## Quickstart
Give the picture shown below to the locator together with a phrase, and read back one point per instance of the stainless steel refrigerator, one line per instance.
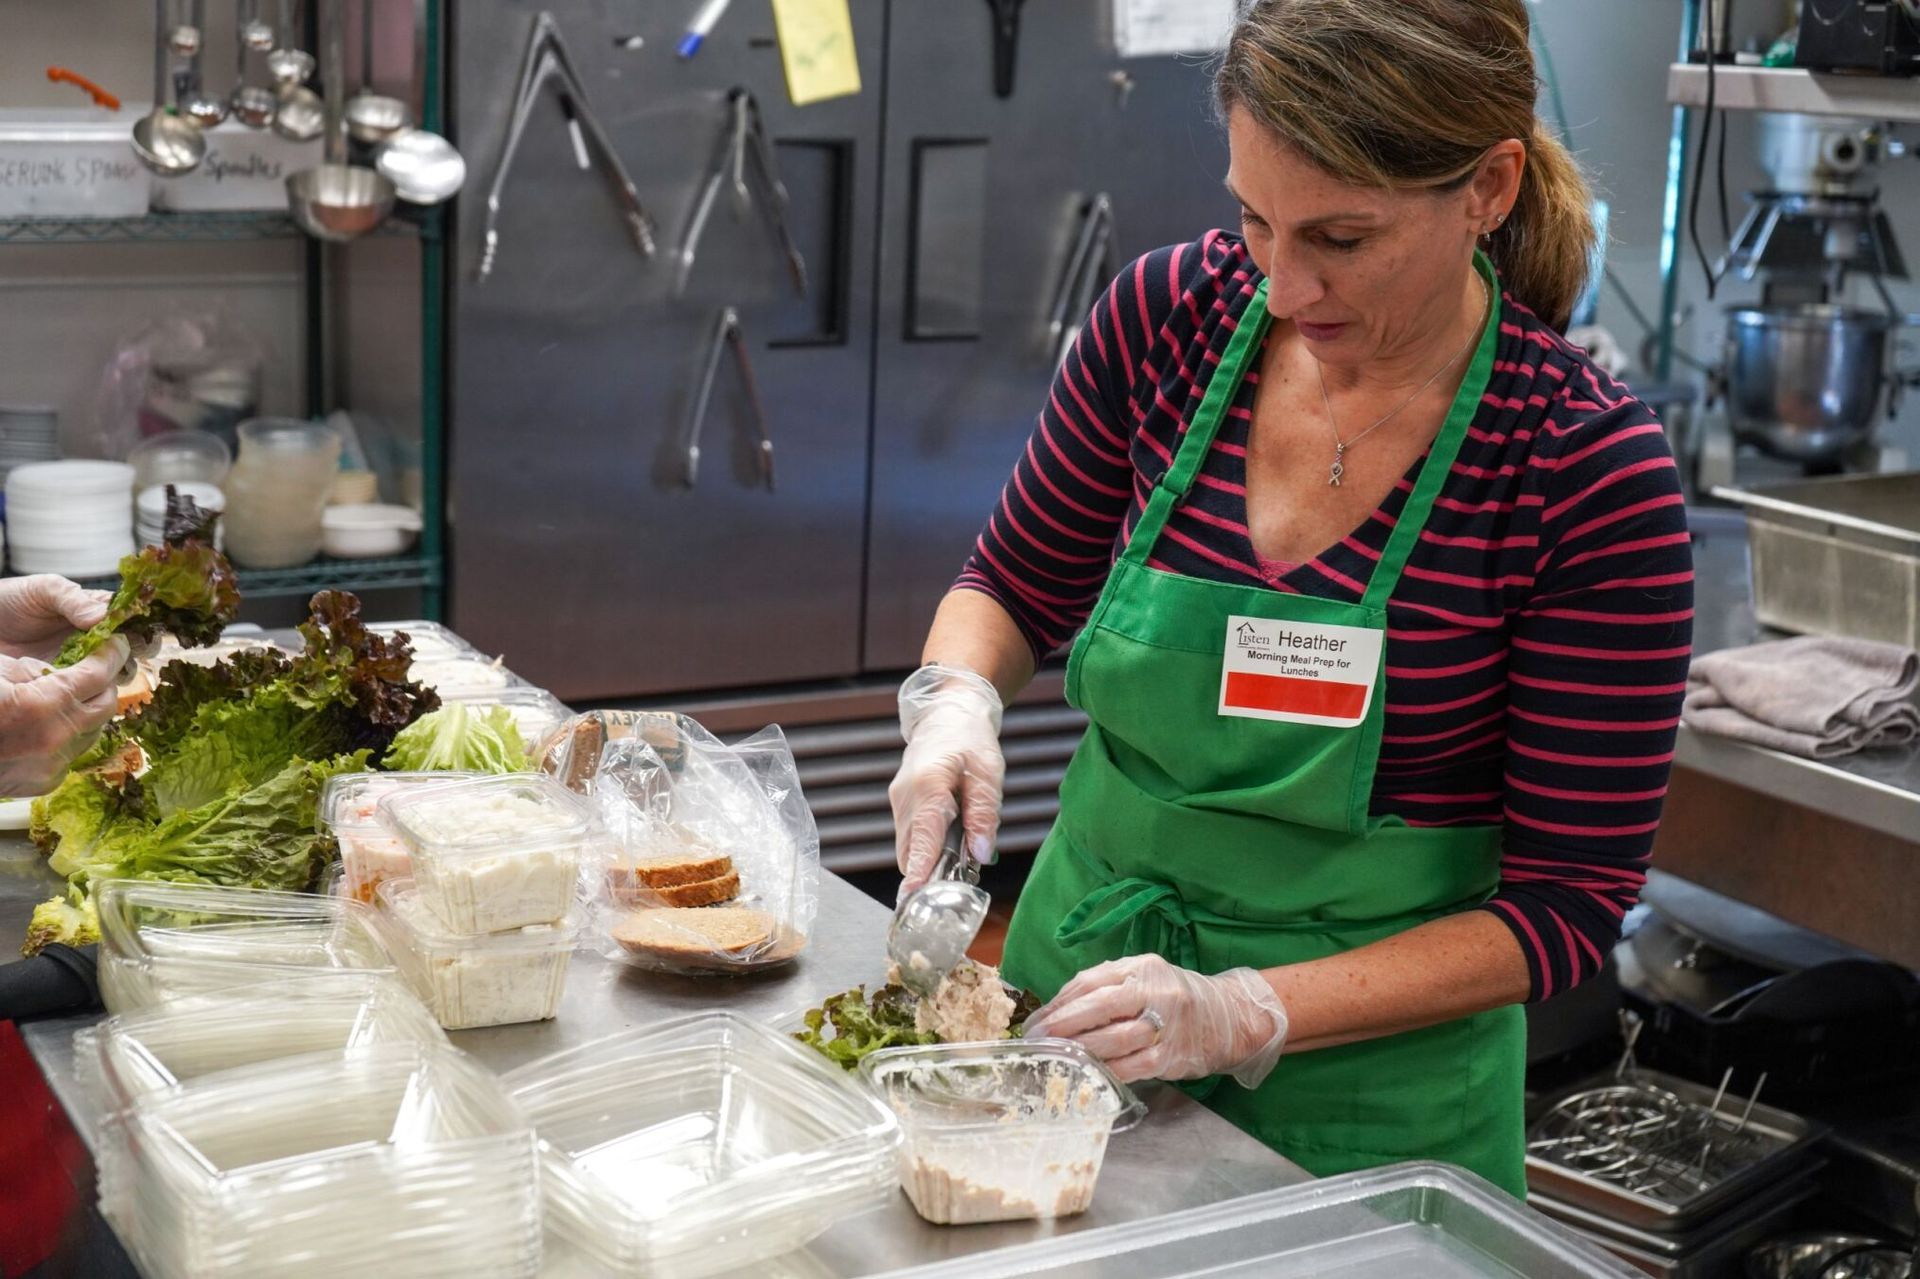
(938, 212)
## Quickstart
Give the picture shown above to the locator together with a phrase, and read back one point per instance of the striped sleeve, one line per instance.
(1046, 550)
(1596, 672)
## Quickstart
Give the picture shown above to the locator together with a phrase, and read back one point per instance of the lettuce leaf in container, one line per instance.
(183, 586)
(236, 755)
(459, 738)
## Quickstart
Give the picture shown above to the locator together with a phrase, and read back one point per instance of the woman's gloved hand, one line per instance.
(38, 613)
(48, 718)
(952, 768)
(1148, 1019)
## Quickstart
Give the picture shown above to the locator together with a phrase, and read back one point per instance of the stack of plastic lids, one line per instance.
(402, 1160)
(74, 518)
(701, 1145)
(161, 941)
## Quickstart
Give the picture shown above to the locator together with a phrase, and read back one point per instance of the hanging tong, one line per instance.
(1006, 44)
(727, 334)
(1088, 267)
(547, 58)
(746, 135)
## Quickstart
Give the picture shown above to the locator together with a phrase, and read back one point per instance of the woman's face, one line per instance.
(1365, 275)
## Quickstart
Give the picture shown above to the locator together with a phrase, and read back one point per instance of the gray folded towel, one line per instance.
(1816, 696)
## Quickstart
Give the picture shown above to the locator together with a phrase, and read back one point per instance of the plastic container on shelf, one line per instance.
(367, 530)
(132, 1054)
(162, 941)
(402, 1160)
(495, 853)
(71, 164)
(371, 850)
(1007, 1131)
(495, 979)
(180, 457)
(536, 712)
(700, 1145)
(277, 491)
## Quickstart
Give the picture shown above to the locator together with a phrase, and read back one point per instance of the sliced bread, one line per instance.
(689, 933)
(707, 892)
(696, 865)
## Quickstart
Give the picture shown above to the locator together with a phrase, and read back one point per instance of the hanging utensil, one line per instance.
(101, 98)
(255, 35)
(168, 144)
(253, 105)
(546, 57)
(1088, 269)
(337, 201)
(727, 335)
(1006, 44)
(745, 136)
(934, 925)
(372, 117)
(203, 108)
(289, 65)
(424, 167)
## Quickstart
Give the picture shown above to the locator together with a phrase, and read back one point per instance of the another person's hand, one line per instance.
(952, 768)
(38, 613)
(1148, 1019)
(48, 718)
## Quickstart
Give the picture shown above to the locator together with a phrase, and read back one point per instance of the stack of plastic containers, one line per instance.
(705, 1144)
(402, 1160)
(162, 941)
(486, 926)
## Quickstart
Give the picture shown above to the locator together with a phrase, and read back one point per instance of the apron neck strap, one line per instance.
(1444, 451)
(1242, 349)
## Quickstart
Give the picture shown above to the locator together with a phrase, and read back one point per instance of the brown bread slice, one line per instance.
(678, 933)
(707, 892)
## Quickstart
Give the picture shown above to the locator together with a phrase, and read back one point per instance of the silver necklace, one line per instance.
(1340, 447)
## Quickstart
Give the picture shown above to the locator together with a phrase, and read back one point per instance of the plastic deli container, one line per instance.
(371, 850)
(1007, 1131)
(494, 853)
(429, 641)
(701, 1145)
(495, 979)
(536, 712)
(161, 941)
(399, 1160)
(132, 1054)
(461, 677)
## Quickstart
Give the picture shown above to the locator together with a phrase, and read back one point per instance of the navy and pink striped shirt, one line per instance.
(1537, 643)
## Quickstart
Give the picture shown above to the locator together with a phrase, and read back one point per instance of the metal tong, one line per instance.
(746, 135)
(727, 333)
(1087, 269)
(547, 57)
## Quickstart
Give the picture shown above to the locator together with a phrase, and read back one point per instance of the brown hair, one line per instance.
(1411, 93)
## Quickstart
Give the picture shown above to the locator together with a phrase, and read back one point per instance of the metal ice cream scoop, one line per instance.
(938, 921)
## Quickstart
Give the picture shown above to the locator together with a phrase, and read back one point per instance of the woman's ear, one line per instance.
(1496, 184)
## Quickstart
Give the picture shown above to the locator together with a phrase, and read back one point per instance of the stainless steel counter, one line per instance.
(1879, 790)
(1182, 1156)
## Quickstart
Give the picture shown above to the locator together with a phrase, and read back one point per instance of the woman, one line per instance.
(1387, 602)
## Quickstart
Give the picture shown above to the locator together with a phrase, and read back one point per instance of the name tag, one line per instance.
(1299, 672)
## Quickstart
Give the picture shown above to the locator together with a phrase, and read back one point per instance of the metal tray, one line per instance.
(1423, 1220)
(1798, 1138)
(1836, 556)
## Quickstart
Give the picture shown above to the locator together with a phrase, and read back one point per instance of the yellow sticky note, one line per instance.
(816, 45)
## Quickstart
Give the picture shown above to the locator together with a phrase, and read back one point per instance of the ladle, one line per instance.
(253, 105)
(168, 144)
(205, 109)
(337, 201)
(372, 117)
(289, 65)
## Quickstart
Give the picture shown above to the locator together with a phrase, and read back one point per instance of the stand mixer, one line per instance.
(1805, 374)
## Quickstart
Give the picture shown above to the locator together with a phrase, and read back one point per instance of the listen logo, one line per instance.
(1248, 637)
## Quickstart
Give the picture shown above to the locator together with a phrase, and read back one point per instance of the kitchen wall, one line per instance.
(62, 308)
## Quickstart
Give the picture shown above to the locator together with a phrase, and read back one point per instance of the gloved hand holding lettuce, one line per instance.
(184, 587)
(236, 756)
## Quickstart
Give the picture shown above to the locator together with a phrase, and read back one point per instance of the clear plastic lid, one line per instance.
(132, 1054)
(353, 799)
(485, 816)
(162, 940)
(461, 676)
(990, 1086)
(429, 641)
(706, 1143)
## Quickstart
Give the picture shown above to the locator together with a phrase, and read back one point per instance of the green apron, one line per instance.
(1220, 841)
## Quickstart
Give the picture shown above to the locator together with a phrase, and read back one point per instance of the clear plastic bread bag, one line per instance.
(715, 858)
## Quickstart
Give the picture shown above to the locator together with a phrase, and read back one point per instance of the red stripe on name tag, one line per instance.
(1294, 696)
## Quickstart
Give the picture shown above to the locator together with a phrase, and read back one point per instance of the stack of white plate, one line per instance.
(72, 518)
(27, 435)
(150, 511)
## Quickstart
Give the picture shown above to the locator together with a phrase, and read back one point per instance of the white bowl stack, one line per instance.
(150, 510)
(74, 518)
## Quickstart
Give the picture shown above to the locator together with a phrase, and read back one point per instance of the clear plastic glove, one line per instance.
(38, 613)
(952, 768)
(1148, 1019)
(48, 718)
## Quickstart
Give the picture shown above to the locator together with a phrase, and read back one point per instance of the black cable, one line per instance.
(1700, 161)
